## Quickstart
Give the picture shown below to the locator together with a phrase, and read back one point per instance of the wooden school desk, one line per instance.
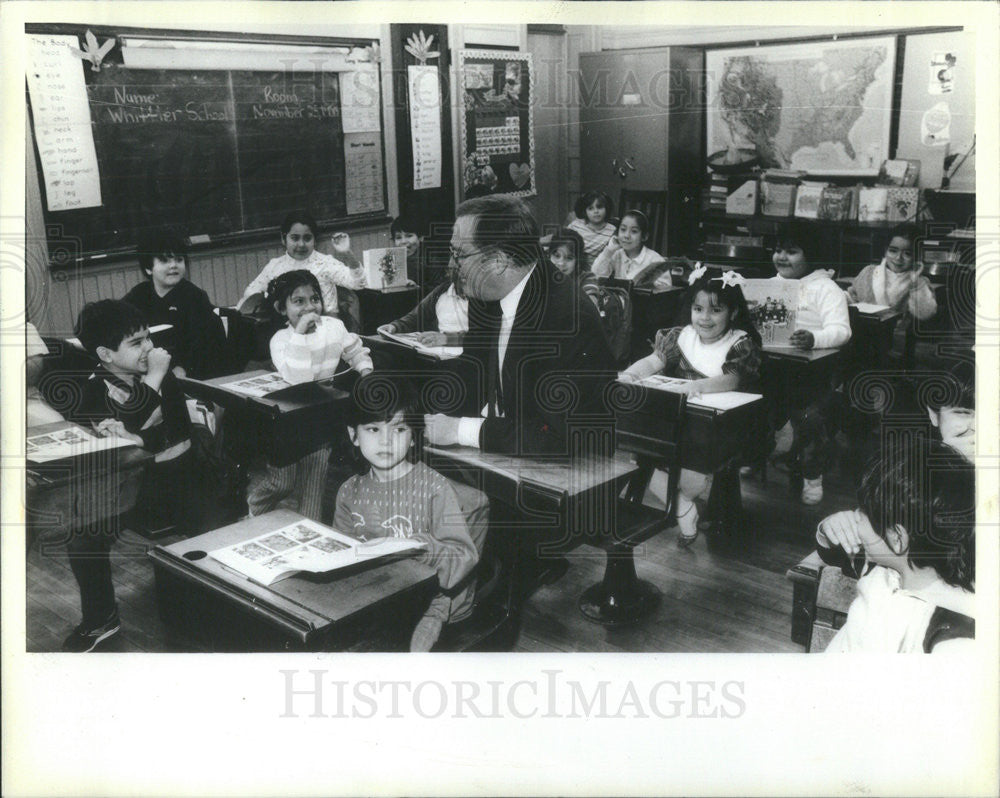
(382, 307)
(371, 606)
(74, 492)
(284, 425)
(548, 505)
(714, 440)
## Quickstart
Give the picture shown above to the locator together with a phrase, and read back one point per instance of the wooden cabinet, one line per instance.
(646, 107)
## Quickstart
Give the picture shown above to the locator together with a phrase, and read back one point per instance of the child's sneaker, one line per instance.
(812, 490)
(82, 640)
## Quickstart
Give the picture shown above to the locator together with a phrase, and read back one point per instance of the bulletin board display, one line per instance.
(495, 94)
(216, 155)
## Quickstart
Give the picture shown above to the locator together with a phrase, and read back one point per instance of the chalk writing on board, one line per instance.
(62, 124)
(363, 173)
(425, 126)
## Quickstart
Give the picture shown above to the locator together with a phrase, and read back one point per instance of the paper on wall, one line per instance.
(425, 126)
(62, 128)
(360, 100)
(363, 172)
(935, 125)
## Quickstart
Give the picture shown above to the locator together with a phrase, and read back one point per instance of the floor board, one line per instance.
(711, 602)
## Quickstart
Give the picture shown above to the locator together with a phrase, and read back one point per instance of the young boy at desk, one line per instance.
(134, 386)
(197, 339)
(802, 406)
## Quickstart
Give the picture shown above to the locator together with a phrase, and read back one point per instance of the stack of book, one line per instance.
(718, 190)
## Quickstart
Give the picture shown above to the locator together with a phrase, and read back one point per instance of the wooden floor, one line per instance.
(710, 602)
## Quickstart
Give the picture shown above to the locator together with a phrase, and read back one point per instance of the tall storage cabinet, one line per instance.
(647, 107)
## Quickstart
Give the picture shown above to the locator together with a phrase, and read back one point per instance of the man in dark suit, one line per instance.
(537, 340)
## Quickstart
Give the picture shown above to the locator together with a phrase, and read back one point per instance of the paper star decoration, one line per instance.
(732, 278)
(419, 46)
(93, 52)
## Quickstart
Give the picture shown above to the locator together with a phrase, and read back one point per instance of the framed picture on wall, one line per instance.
(824, 107)
(497, 152)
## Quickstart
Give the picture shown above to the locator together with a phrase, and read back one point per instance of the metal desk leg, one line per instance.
(621, 597)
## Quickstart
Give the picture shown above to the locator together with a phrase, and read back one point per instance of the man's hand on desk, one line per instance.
(802, 339)
(387, 329)
(440, 430)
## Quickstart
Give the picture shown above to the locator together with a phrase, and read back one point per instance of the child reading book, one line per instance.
(399, 496)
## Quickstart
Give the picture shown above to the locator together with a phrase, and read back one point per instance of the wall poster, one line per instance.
(497, 154)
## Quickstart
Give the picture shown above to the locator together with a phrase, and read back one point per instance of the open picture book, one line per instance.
(304, 546)
(70, 441)
(410, 340)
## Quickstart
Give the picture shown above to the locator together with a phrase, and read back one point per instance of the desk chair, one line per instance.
(654, 205)
(648, 423)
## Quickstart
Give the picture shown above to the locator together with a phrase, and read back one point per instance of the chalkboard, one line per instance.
(221, 154)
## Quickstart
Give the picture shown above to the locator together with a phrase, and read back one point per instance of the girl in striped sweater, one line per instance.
(307, 349)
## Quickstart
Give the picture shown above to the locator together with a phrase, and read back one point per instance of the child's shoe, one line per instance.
(812, 490)
(82, 640)
(687, 522)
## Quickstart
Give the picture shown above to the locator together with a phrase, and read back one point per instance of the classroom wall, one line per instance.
(54, 296)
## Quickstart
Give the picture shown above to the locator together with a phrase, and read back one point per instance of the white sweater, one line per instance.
(306, 358)
(822, 310)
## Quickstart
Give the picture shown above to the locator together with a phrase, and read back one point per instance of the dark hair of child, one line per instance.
(929, 490)
(728, 296)
(408, 222)
(573, 241)
(284, 285)
(299, 217)
(640, 219)
(795, 234)
(159, 245)
(379, 396)
(957, 388)
(906, 230)
(588, 199)
(107, 323)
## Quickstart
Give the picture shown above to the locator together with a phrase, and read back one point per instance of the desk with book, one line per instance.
(280, 420)
(75, 478)
(279, 581)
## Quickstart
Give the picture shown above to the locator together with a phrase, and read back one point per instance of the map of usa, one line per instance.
(814, 107)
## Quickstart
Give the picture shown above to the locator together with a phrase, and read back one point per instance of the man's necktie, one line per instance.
(494, 392)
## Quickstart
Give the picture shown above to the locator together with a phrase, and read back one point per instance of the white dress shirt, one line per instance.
(468, 427)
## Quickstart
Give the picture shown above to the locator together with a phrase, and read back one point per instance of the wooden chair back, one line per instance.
(654, 205)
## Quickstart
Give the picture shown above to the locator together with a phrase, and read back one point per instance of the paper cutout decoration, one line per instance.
(520, 174)
(92, 51)
(419, 46)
